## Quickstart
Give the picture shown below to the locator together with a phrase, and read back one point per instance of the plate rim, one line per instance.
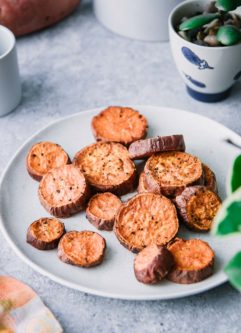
(76, 286)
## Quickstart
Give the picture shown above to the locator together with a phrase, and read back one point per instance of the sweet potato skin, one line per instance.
(186, 275)
(159, 264)
(209, 180)
(26, 16)
(143, 149)
(189, 277)
(38, 244)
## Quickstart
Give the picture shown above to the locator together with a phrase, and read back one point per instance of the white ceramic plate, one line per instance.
(19, 206)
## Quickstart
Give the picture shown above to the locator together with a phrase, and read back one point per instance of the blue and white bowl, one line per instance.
(208, 72)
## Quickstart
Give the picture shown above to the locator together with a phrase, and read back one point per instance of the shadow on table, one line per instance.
(236, 92)
(32, 91)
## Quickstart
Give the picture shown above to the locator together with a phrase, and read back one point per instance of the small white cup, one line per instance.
(10, 85)
(145, 20)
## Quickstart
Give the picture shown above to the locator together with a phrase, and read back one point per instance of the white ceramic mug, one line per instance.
(145, 20)
(209, 72)
(10, 86)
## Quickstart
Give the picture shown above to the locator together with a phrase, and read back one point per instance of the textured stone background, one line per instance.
(78, 65)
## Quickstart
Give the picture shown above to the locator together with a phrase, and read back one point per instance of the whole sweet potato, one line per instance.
(26, 16)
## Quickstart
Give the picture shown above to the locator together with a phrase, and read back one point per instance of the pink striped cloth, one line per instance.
(22, 311)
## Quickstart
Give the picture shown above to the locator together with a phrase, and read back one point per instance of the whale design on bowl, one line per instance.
(194, 59)
(195, 82)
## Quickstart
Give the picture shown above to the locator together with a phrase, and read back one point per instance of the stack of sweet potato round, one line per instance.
(174, 187)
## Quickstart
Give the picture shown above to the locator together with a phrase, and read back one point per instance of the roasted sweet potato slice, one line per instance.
(194, 261)
(146, 219)
(209, 179)
(43, 157)
(119, 124)
(152, 264)
(197, 207)
(45, 233)
(102, 209)
(170, 173)
(142, 149)
(143, 186)
(82, 248)
(107, 167)
(63, 191)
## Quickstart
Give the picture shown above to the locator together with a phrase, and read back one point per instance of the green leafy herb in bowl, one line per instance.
(216, 26)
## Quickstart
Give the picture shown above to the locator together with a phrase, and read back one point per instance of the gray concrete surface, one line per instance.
(78, 65)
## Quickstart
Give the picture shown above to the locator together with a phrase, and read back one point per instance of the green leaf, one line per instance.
(228, 219)
(235, 175)
(228, 5)
(233, 271)
(197, 21)
(229, 35)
